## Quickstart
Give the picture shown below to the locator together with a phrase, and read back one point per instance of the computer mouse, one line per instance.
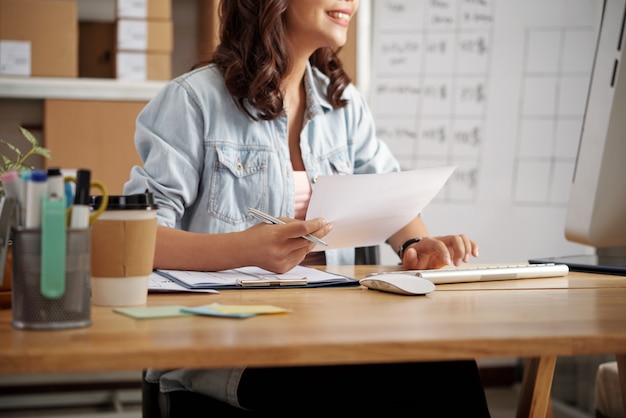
(401, 283)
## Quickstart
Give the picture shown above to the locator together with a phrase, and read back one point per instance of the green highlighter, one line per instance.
(53, 242)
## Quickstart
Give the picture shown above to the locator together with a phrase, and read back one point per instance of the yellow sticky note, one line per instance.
(247, 309)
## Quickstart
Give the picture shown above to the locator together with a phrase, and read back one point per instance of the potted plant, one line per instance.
(16, 160)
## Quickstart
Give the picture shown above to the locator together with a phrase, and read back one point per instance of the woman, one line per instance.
(253, 128)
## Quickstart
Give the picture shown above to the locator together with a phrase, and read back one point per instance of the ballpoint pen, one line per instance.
(272, 220)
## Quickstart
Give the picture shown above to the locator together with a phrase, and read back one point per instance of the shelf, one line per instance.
(78, 88)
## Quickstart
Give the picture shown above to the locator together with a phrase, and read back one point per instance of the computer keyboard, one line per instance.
(490, 273)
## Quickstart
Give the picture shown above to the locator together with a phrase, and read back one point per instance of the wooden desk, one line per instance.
(346, 325)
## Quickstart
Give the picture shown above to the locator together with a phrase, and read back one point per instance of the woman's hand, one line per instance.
(437, 252)
(279, 248)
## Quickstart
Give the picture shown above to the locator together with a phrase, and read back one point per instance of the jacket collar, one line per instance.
(315, 87)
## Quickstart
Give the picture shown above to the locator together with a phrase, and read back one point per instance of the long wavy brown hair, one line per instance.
(253, 57)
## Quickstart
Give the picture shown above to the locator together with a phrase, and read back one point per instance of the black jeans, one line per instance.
(428, 389)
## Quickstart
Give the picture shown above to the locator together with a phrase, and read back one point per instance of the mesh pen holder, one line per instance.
(34, 310)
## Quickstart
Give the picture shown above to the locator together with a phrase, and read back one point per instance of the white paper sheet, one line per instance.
(158, 283)
(367, 209)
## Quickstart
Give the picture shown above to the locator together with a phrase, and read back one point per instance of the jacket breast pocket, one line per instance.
(239, 181)
(339, 163)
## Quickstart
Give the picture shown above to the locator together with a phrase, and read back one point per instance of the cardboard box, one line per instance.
(98, 135)
(142, 66)
(51, 27)
(15, 58)
(144, 9)
(145, 35)
(96, 49)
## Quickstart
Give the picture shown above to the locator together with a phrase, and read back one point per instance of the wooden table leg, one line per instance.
(534, 398)
(621, 370)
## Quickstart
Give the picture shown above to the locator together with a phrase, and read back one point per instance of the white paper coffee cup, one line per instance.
(122, 250)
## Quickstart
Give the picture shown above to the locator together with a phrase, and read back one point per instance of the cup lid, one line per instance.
(140, 201)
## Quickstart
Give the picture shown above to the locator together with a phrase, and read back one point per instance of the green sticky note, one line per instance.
(147, 312)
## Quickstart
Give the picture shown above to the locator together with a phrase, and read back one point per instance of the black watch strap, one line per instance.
(406, 244)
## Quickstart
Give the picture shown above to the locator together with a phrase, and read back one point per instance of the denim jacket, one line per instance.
(207, 162)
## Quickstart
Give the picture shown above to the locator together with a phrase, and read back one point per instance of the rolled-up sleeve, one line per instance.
(169, 140)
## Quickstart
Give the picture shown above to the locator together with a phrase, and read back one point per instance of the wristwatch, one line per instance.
(406, 245)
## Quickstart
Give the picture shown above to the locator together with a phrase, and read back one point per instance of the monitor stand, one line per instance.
(605, 261)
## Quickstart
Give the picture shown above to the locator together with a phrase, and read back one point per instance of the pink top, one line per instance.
(303, 193)
(303, 196)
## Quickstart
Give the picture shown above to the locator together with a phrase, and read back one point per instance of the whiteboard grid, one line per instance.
(497, 87)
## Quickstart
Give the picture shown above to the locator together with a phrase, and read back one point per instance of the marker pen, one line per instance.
(56, 184)
(36, 189)
(69, 194)
(80, 209)
(24, 179)
(13, 189)
(11, 184)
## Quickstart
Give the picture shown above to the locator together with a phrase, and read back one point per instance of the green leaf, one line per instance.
(44, 152)
(30, 137)
(12, 148)
(6, 160)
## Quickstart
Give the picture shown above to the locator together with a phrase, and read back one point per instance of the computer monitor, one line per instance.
(596, 213)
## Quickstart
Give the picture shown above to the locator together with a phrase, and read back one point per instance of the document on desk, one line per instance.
(366, 209)
(157, 283)
(256, 278)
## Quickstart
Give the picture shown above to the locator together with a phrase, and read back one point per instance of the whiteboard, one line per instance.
(498, 88)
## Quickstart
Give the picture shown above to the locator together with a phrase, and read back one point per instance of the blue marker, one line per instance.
(36, 190)
(69, 194)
